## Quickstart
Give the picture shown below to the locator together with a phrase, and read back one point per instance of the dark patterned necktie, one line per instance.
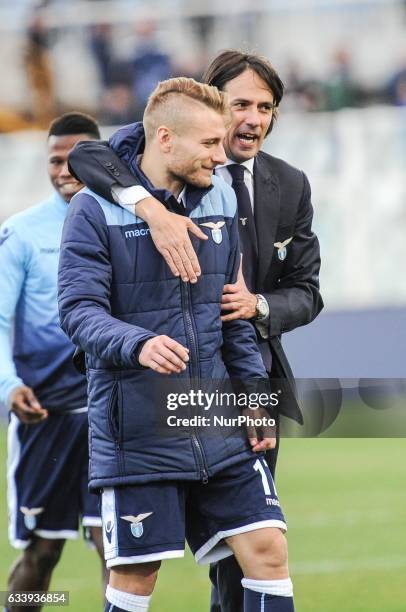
(246, 225)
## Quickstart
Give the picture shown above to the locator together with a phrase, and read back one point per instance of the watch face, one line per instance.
(262, 307)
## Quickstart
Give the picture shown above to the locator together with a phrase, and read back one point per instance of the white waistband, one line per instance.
(76, 410)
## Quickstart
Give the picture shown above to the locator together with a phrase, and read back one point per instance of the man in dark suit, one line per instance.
(278, 289)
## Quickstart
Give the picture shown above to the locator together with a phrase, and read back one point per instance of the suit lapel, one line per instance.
(266, 211)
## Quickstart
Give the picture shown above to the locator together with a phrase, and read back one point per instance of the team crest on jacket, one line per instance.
(216, 233)
(137, 527)
(281, 246)
(30, 516)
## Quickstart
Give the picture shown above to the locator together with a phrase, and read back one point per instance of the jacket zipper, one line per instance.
(194, 368)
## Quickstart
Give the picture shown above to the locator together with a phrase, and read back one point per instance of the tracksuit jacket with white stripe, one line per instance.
(116, 292)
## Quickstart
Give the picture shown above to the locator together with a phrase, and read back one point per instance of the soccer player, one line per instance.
(137, 323)
(48, 432)
(279, 289)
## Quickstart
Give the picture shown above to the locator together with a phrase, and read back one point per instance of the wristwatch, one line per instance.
(262, 307)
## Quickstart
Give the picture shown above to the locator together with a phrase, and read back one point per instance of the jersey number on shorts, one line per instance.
(259, 467)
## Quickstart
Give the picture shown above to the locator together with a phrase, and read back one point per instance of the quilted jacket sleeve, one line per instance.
(84, 288)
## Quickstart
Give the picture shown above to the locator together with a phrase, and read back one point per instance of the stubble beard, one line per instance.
(190, 177)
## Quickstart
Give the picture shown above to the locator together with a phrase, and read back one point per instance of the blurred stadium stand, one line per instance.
(331, 53)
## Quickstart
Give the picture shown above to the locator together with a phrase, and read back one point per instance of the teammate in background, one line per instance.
(120, 303)
(48, 430)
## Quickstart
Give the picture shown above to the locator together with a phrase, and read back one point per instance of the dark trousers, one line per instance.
(227, 593)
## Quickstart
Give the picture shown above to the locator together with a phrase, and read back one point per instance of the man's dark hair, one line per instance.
(74, 123)
(231, 63)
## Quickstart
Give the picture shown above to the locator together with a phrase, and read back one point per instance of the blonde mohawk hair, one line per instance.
(166, 101)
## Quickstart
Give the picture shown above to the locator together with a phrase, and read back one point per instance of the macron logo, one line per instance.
(136, 233)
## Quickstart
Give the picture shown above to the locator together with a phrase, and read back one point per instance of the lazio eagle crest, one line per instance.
(30, 514)
(137, 528)
(281, 246)
(215, 230)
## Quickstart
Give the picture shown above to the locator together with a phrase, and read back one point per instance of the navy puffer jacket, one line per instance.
(115, 292)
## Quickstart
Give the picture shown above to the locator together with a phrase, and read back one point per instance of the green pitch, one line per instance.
(345, 502)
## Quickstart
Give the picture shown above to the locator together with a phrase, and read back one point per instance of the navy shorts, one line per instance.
(150, 522)
(47, 478)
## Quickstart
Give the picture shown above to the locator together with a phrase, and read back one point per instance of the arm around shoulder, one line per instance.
(96, 165)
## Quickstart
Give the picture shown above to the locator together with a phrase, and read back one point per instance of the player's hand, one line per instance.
(261, 438)
(26, 407)
(170, 233)
(164, 355)
(237, 299)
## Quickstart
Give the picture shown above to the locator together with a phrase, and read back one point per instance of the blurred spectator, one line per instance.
(38, 65)
(194, 65)
(118, 106)
(101, 46)
(203, 27)
(150, 65)
(339, 88)
(397, 87)
(301, 93)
